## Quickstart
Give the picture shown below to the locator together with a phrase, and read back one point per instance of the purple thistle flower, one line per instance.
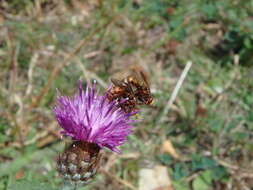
(89, 117)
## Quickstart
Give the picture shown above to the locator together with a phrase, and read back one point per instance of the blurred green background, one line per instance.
(205, 139)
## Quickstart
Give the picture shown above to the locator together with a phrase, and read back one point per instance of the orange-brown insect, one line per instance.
(123, 94)
(142, 92)
(131, 91)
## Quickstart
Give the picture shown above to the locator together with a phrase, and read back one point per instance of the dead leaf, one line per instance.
(82, 6)
(168, 147)
(19, 174)
(171, 46)
(1, 19)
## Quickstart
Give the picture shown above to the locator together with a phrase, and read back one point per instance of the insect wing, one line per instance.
(144, 78)
(118, 83)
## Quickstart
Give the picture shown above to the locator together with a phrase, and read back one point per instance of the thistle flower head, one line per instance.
(89, 117)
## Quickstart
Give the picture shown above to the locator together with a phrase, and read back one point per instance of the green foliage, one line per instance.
(209, 10)
(180, 185)
(176, 27)
(235, 19)
(158, 7)
(31, 185)
(200, 162)
(203, 181)
(165, 159)
(180, 171)
(4, 125)
(208, 168)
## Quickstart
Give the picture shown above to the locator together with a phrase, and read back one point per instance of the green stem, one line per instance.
(75, 187)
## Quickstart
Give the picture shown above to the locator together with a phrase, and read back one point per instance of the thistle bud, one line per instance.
(79, 162)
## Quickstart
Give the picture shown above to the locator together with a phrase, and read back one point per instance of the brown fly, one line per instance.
(130, 92)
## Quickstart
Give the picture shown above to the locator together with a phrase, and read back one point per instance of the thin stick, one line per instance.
(175, 91)
(75, 187)
(32, 64)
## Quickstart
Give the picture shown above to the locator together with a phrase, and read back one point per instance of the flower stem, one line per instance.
(75, 186)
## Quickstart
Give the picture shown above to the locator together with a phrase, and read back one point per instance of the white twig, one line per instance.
(176, 90)
(92, 54)
(30, 73)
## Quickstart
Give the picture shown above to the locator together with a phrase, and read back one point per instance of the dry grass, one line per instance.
(49, 44)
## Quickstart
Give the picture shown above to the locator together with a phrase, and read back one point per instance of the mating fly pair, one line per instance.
(130, 92)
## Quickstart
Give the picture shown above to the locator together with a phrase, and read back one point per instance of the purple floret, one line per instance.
(89, 117)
